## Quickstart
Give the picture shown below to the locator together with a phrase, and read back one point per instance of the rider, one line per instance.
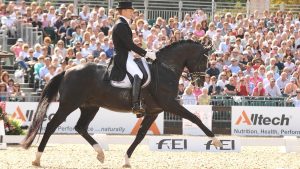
(124, 60)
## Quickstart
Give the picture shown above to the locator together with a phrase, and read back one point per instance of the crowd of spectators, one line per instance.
(252, 56)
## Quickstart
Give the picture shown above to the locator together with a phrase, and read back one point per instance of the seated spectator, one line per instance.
(244, 60)
(234, 66)
(82, 61)
(103, 58)
(259, 90)
(223, 81)
(212, 89)
(225, 46)
(22, 55)
(242, 87)
(98, 50)
(110, 51)
(269, 76)
(43, 71)
(282, 81)
(4, 95)
(236, 54)
(291, 87)
(289, 64)
(297, 77)
(17, 48)
(90, 58)
(272, 65)
(220, 64)
(272, 89)
(235, 79)
(77, 58)
(5, 77)
(256, 64)
(295, 100)
(10, 86)
(207, 81)
(197, 91)
(240, 74)
(211, 30)
(249, 70)
(255, 79)
(85, 51)
(180, 89)
(262, 71)
(212, 70)
(18, 94)
(230, 88)
(227, 71)
(199, 32)
(226, 58)
(250, 85)
(188, 98)
(105, 45)
(36, 71)
(30, 60)
(51, 73)
(204, 98)
(61, 48)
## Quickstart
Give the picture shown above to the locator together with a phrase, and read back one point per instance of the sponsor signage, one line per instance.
(204, 112)
(105, 122)
(265, 121)
(192, 144)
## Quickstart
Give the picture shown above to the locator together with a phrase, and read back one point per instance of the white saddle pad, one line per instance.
(126, 82)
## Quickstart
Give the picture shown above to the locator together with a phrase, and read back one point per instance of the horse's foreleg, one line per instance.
(175, 108)
(87, 115)
(57, 119)
(145, 125)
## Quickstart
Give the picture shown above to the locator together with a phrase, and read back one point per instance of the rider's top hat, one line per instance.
(125, 5)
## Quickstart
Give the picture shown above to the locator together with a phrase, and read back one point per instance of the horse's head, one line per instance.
(185, 53)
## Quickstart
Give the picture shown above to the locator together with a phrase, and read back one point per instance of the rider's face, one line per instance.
(128, 13)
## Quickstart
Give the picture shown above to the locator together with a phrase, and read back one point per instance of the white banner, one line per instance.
(265, 121)
(204, 112)
(3, 146)
(2, 131)
(192, 144)
(105, 122)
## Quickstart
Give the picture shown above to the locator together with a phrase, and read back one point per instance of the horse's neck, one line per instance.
(172, 63)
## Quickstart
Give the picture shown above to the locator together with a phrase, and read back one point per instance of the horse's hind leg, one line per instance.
(59, 117)
(146, 123)
(87, 115)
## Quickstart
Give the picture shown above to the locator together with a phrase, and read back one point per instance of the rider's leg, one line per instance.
(134, 70)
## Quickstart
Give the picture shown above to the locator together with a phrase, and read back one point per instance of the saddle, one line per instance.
(127, 81)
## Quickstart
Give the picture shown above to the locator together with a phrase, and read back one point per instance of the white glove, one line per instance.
(150, 55)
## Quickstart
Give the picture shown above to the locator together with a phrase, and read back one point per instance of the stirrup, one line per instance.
(138, 109)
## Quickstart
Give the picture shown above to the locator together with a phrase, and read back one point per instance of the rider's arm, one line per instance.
(127, 41)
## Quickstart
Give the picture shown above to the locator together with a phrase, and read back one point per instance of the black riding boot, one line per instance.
(137, 107)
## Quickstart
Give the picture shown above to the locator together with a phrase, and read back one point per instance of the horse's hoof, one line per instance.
(36, 163)
(216, 142)
(126, 166)
(101, 157)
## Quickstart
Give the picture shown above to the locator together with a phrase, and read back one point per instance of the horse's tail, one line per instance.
(49, 93)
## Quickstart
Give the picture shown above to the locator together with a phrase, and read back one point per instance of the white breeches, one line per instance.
(132, 67)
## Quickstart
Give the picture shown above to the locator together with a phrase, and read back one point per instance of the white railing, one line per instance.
(3, 41)
(29, 34)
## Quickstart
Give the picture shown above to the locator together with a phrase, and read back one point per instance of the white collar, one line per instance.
(126, 19)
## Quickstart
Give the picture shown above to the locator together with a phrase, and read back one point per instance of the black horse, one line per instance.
(85, 87)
